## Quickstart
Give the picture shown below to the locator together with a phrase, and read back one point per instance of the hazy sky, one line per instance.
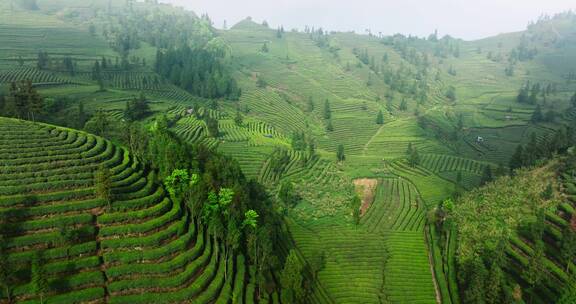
(467, 19)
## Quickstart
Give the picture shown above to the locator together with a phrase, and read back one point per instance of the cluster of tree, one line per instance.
(189, 54)
(280, 32)
(319, 36)
(65, 64)
(402, 79)
(441, 47)
(236, 211)
(476, 276)
(451, 93)
(261, 82)
(411, 53)
(279, 160)
(482, 264)
(105, 64)
(43, 60)
(162, 29)
(288, 195)
(212, 125)
(538, 116)
(22, 101)
(265, 48)
(522, 52)
(529, 154)
(137, 108)
(363, 56)
(495, 57)
(482, 280)
(529, 93)
(300, 141)
(198, 71)
(100, 124)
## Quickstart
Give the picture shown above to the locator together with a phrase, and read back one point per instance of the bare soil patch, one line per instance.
(366, 188)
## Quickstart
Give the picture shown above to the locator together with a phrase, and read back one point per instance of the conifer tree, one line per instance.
(329, 126)
(537, 115)
(327, 110)
(380, 118)
(340, 153)
(486, 175)
(517, 160)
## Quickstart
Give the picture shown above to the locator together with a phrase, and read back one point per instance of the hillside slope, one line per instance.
(304, 95)
(521, 226)
(63, 241)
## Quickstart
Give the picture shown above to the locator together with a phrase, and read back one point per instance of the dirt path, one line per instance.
(431, 263)
(372, 139)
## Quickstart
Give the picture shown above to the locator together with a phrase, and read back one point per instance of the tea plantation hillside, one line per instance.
(63, 243)
(356, 151)
(526, 245)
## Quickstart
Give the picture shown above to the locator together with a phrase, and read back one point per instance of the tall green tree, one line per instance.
(137, 108)
(473, 278)
(403, 105)
(99, 124)
(380, 118)
(494, 285)
(238, 119)
(355, 206)
(264, 48)
(212, 126)
(340, 156)
(310, 104)
(179, 182)
(537, 116)
(486, 175)
(287, 194)
(24, 100)
(517, 160)
(533, 274)
(329, 126)
(523, 94)
(327, 110)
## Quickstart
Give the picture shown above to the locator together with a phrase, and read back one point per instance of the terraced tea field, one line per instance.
(138, 248)
(360, 105)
